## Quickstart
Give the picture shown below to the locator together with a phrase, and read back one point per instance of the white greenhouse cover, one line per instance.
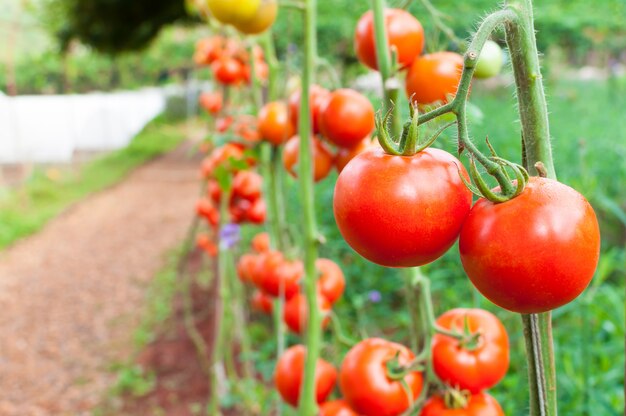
(50, 128)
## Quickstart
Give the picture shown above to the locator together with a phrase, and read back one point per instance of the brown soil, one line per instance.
(72, 295)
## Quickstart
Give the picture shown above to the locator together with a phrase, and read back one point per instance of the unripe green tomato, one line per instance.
(490, 61)
(261, 20)
(233, 11)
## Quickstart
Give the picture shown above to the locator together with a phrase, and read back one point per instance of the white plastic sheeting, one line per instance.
(51, 128)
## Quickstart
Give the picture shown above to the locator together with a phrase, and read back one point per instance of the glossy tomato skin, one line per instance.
(476, 369)
(336, 408)
(364, 383)
(296, 312)
(346, 154)
(289, 372)
(261, 20)
(347, 118)
(401, 211)
(331, 281)
(274, 124)
(227, 70)
(535, 252)
(404, 32)
(318, 96)
(322, 158)
(434, 77)
(480, 404)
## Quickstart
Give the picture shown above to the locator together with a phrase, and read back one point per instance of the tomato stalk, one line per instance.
(384, 59)
(533, 112)
(308, 406)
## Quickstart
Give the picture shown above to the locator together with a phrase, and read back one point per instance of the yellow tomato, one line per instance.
(233, 11)
(262, 20)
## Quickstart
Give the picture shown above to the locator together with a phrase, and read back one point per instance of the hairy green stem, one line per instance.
(533, 112)
(391, 85)
(308, 404)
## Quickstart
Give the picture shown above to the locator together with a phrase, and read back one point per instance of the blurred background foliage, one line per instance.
(96, 37)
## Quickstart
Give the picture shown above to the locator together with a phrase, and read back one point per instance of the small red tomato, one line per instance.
(262, 302)
(347, 118)
(346, 154)
(277, 272)
(207, 245)
(472, 365)
(246, 267)
(364, 381)
(336, 408)
(434, 77)
(211, 101)
(274, 124)
(296, 312)
(412, 211)
(404, 33)
(223, 123)
(322, 158)
(267, 262)
(206, 209)
(247, 185)
(535, 252)
(317, 100)
(480, 404)
(261, 242)
(227, 70)
(289, 372)
(331, 281)
(257, 212)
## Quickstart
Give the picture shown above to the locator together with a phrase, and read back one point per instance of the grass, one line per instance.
(47, 193)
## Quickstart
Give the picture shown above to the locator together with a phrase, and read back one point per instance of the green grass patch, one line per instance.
(45, 194)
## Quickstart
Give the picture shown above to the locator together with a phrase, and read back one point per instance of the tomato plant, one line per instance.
(288, 376)
(477, 361)
(365, 383)
(513, 252)
(480, 404)
(347, 118)
(434, 77)
(404, 33)
(420, 200)
(322, 158)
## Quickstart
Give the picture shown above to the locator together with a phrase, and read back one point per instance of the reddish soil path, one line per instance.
(71, 296)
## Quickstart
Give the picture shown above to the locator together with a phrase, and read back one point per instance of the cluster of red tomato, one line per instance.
(382, 378)
(229, 60)
(345, 118)
(274, 274)
(246, 203)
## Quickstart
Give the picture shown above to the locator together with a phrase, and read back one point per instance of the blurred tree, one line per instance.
(110, 26)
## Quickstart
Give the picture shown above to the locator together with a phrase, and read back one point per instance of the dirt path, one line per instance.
(71, 296)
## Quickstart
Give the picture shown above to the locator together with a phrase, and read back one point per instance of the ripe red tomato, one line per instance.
(223, 123)
(211, 101)
(206, 209)
(296, 312)
(471, 367)
(289, 372)
(346, 154)
(404, 32)
(247, 266)
(261, 242)
(322, 158)
(434, 77)
(227, 70)
(262, 302)
(331, 281)
(207, 245)
(257, 212)
(317, 100)
(347, 118)
(535, 252)
(364, 382)
(274, 124)
(336, 408)
(480, 404)
(412, 211)
(247, 185)
(273, 270)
